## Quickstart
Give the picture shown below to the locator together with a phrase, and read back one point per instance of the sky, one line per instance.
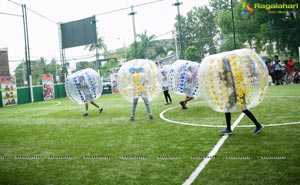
(155, 16)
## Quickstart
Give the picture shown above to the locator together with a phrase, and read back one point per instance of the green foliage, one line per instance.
(191, 53)
(208, 29)
(105, 69)
(145, 43)
(221, 5)
(38, 67)
(147, 47)
(199, 30)
(228, 45)
(21, 74)
(100, 45)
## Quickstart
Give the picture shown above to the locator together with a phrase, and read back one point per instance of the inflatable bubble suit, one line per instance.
(183, 78)
(164, 75)
(233, 81)
(139, 78)
(84, 86)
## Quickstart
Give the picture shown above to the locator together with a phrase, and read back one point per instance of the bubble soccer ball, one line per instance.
(164, 70)
(139, 78)
(84, 86)
(183, 78)
(233, 81)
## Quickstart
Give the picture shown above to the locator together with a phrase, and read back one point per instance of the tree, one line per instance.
(191, 53)
(261, 30)
(200, 30)
(160, 50)
(38, 67)
(144, 45)
(105, 69)
(21, 74)
(100, 45)
(180, 34)
(220, 5)
(54, 69)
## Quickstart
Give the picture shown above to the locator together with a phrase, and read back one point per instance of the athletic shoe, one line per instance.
(131, 119)
(258, 129)
(226, 132)
(182, 105)
(100, 110)
(150, 117)
(85, 114)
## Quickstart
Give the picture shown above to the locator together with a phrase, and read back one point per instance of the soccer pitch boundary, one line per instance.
(219, 144)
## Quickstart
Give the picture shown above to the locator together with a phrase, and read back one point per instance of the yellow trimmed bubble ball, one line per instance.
(240, 81)
(139, 78)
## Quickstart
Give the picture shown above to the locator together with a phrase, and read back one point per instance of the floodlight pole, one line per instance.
(27, 51)
(97, 55)
(132, 13)
(62, 52)
(233, 28)
(270, 35)
(181, 35)
(175, 40)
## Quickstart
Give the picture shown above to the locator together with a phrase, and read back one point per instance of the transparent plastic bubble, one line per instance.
(84, 86)
(233, 81)
(164, 75)
(139, 78)
(183, 78)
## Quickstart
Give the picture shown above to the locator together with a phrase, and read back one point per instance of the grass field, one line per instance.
(52, 143)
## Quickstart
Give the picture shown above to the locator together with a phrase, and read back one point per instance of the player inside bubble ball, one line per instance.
(189, 86)
(165, 87)
(88, 95)
(140, 85)
(226, 77)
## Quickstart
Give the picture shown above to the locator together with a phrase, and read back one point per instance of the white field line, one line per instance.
(161, 115)
(282, 96)
(211, 154)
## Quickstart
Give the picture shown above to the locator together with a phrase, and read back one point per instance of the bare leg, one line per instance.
(86, 107)
(187, 99)
(95, 104)
(184, 102)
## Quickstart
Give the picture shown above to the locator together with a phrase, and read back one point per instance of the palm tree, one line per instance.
(145, 44)
(100, 45)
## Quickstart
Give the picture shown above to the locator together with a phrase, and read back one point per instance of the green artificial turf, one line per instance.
(52, 143)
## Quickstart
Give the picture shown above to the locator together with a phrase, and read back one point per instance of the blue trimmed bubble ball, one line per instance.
(183, 78)
(84, 86)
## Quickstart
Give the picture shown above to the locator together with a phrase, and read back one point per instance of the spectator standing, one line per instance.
(297, 76)
(290, 71)
(165, 87)
(277, 70)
